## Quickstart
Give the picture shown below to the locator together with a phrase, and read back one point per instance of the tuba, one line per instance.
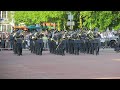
(91, 36)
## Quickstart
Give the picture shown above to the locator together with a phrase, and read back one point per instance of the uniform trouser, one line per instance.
(19, 48)
(82, 47)
(15, 48)
(39, 49)
(67, 50)
(76, 50)
(0, 44)
(23, 45)
(61, 51)
(31, 48)
(87, 47)
(50, 49)
(71, 49)
(36, 49)
(58, 51)
(49, 46)
(54, 48)
(96, 48)
(91, 48)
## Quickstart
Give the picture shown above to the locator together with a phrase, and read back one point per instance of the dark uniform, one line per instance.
(39, 46)
(49, 44)
(87, 44)
(117, 45)
(61, 47)
(96, 44)
(91, 43)
(76, 46)
(82, 45)
(33, 46)
(14, 44)
(31, 43)
(19, 45)
(54, 46)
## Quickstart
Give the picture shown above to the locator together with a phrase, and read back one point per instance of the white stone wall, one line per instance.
(5, 23)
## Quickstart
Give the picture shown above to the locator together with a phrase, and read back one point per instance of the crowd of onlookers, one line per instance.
(6, 40)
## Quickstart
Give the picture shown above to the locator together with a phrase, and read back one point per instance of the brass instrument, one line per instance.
(23, 41)
(91, 36)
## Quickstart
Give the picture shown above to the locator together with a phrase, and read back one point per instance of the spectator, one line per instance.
(45, 40)
(0, 41)
(3, 43)
(11, 38)
(6, 40)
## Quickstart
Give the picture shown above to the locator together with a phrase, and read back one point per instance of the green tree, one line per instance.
(101, 19)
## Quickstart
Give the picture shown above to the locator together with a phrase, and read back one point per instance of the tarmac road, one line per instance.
(50, 66)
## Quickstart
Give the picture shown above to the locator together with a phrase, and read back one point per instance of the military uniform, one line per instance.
(76, 46)
(31, 43)
(49, 44)
(19, 45)
(39, 46)
(15, 46)
(54, 46)
(61, 47)
(87, 44)
(67, 45)
(96, 44)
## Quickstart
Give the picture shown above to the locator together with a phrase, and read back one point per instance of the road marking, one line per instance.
(116, 59)
(108, 78)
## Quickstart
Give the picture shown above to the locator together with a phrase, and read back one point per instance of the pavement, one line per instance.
(50, 66)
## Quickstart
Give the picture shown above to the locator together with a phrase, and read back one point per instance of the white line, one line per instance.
(116, 59)
(108, 78)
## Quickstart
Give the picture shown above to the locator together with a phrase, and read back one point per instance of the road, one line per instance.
(50, 66)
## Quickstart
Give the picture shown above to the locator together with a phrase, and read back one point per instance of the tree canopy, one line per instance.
(90, 19)
(101, 19)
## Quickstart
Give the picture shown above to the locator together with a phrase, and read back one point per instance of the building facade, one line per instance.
(6, 21)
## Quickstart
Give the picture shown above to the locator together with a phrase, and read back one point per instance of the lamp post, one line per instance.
(70, 17)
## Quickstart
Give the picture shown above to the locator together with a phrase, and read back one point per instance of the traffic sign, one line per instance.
(70, 17)
(72, 23)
